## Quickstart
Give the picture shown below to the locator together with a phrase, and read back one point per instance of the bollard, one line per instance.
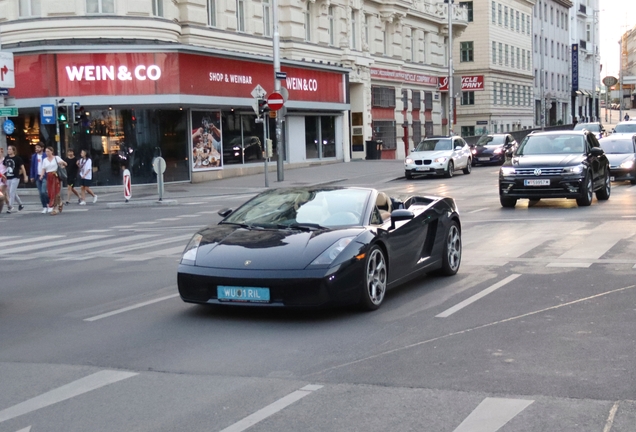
(127, 187)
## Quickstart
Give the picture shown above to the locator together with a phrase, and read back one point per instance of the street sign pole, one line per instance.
(57, 126)
(280, 149)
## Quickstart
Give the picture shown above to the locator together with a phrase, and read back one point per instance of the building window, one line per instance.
(528, 25)
(506, 55)
(499, 14)
(308, 22)
(354, 30)
(588, 32)
(528, 60)
(29, 8)
(512, 56)
(240, 15)
(385, 39)
(157, 8)
(100, 6)
(332, 24)
(523, 23)
(518, 58)
(517, 16)
(212, 13)
(535, 43)
(552, 15)
(500, 53)
(507, 94)
(469, 7)
(558, 50)
(506, 16)
(536, 78)
(494, 52)
(412, 42)
(468, 98)
(523, 59)
(501, 95)
(466, 51)
(385, 131)
(417, 131)
(416, 100)
(494, 94)
(545, 12)
(383, 97)
(267, 18)
(468, 131)
(493, 12)
(366, 29)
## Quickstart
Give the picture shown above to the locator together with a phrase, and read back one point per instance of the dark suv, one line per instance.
(560, 164)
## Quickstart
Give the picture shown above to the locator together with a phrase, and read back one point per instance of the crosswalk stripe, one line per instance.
(45, 245)
(168, 252)
(98, 244)
(492, 413)
(144, 245)
(28, 240)
(609, 234)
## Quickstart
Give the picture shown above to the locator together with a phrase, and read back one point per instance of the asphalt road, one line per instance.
(535, 333)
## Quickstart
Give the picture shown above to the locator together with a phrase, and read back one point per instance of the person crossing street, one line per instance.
(14, 168)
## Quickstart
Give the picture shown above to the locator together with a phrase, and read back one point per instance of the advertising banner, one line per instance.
(469, 83)
(575, 67)
(207, 145)
(403, 76)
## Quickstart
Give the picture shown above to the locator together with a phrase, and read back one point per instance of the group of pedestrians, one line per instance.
(45, 172)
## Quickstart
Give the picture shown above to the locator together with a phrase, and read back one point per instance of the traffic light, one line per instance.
(78, 112)
(61, 114)
(262, 106)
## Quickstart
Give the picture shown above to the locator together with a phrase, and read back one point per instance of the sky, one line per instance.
(615, 18)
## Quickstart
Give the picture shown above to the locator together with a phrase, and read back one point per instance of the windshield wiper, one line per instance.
(306, 226)
(241, 224)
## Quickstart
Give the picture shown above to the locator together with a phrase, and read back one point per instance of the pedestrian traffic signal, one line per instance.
(78, 113)
(61, 114)
(262, 106)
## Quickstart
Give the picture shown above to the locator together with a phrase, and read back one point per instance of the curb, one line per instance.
(142, 203)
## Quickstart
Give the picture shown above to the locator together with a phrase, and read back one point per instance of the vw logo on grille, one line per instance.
(537, 172)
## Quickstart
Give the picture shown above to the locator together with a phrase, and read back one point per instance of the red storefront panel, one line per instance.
(116, 74)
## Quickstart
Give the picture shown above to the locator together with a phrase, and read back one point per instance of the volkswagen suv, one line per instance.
(559, 164)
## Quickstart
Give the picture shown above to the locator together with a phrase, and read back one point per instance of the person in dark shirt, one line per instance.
(14, 169)
(71, 172)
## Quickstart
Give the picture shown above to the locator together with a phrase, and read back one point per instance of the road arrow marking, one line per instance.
(492, 413)
(68, 391)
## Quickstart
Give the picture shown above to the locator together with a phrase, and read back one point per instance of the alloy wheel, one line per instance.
(453, 248)
(376, 276)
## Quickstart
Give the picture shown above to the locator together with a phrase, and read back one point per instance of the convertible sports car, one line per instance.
(309, 247)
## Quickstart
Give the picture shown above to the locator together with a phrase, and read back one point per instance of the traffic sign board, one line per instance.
(7, 74)
(8, 111)
(275, 101)
(281, 75)
(610, 81)
(8, 127)
(258, 92)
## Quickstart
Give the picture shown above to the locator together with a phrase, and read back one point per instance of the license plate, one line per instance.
(483, 158)
(423, 168)
(612, 178)
(541, 182)
(242, 294)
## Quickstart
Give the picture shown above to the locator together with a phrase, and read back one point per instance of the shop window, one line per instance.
(468, 131)
(468, 98)
(417, 131)
(100, 6)
(29, 8)
(466, 51)
(320, 137)
(469, 7)
(416, 99)
(383, 97)
(242, 138)
(428, 101)
(384, 132)
(212, 13)
(157, 8)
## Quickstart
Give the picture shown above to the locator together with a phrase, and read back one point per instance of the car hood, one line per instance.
(430, 154)
(540, 161)
(487, 148)
(232, 247)
(619, 158)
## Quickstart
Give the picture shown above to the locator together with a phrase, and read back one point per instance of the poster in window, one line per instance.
(207, 147)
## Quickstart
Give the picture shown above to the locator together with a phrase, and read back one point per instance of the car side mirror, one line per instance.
(597, 151)
(458, 147)
(400, 215)
(225, 212)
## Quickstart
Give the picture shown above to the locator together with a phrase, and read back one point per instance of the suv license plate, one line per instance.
(423, 168)
(541, 182)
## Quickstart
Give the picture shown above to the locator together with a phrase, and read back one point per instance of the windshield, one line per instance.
(435, 144)
(613, 146)
(592, 127)
(491, 140)
(283, 208)
(551, 144)
(625, 128)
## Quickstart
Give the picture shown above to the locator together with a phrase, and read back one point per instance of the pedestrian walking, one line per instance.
(72, 175)
(626, 117)
(34, 175)
(3, 181)
(14, 169)
(48, 173)
(86, 176)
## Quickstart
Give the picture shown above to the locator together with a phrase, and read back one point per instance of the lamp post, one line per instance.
(620, 78)
(280, 147)
(542, 82)
(57, 125)
(451, 94)
(594, 110)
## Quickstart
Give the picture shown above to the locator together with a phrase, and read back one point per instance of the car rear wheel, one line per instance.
(469, 166)
(587, 189)
(450, 169)
(376, 278)
(604, 193)
(452, 256)
(408, 175)
(508, 202)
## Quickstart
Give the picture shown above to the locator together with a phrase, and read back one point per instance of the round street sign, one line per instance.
(610, 81)
(8, 127)
(275, 101)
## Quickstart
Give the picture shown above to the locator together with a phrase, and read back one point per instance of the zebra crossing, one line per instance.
(120, 246)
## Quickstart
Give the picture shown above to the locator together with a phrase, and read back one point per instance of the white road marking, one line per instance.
(459, 306)
(195, 203)
(609, 234)
(129, 308)
(95, 245)
(146, 223)
(610, 419)
(189, 215)
(169, 219)
(26, 429)
(68, 391)
(478, 210)
(492, 413)
(120, 227)
(569, 264)
(271, 409)
(97, 231)
(167, 252)
(209, 212)
(28, 240)
(44, 245)
(181, 238)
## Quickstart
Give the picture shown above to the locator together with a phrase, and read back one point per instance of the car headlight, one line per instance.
(508, 171)
(190, 253)
(627, 164)
(408, 161)
(574, 169)
(440, 160)
(498, 150)
(328, 256)
(474, 151)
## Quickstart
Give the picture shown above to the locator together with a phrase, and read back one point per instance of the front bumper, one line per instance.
(559, 187)
(622, 174)
(479, 159)
(290, 288)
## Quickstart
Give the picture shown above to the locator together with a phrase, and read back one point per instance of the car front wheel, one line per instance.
(376, 279)
(469, 166)
(604, 193)
(452, 255)
(450, 169)
(587, 189)
(507, 202)
(408, 175)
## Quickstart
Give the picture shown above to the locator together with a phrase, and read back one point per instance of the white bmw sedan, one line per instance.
(438, 156)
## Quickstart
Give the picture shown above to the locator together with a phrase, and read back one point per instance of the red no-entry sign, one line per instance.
(275, 101)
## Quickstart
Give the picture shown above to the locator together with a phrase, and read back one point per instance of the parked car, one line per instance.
(314, 246)
(559, 164)
(621, 153)
(440, 156)
(628, 126)
(494, 148)
(596, 127)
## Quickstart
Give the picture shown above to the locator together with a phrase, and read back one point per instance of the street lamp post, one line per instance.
(280, 147)
(594, 110)
(57, 125)
(620, 78)
(451, 94)
(542, 48)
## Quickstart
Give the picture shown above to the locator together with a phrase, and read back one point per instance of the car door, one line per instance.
(461, 155)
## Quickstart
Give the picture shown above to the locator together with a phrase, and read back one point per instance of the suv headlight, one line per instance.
(627, 164)
(440, 160)
(190, 253)
(579, 169)
(408, 161)
(508, 171)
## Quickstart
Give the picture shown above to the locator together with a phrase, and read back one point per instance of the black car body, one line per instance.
(309, 247)
(560, 164)
(621, 153)
(493, 149)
